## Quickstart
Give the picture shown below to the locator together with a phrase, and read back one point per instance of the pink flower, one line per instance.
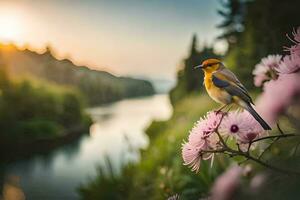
(271, 61)
(278, 95)
(227, 184)
(295, 49)
(204, 128)
(191, 156)
(290, 64)
(260, 79)
(202, 138)
(296, 34)
(265, 70)
(242, 126)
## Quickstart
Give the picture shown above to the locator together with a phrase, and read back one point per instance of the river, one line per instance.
(117, 134)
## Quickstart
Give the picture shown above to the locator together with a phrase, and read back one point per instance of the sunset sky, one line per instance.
(133, 37)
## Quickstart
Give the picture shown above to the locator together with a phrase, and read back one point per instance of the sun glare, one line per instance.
(10, 27)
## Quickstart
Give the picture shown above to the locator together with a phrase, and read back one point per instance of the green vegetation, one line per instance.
(253, 29)
(161, 172)
(42, 99)
(190, 80)
(98, 87)
(165, 175)
(31, 109)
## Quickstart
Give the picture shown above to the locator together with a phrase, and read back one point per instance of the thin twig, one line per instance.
(274, 136)
(271, 166)
(243, 161)
(296, 148)
(238, 146)
(216, 130)
(279, 128)
(223, 150)
(232, 152)
(269, 147)
(248, 149)
(277, 137)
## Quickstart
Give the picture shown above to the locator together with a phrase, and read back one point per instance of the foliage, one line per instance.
(98, 87)
(213, 134)
(160, 172)
(262, 24)
(31, 109)
(253, 29)
(188, 79)
(108, 184)
(233, 21)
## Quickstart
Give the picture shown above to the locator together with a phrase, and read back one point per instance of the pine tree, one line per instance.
(264, 25)
(189, 79)
(192, 79)
(233, 20)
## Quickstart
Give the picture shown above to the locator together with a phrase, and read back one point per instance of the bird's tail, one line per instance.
(258, 118)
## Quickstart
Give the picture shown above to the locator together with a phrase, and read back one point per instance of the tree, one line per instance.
(263, 23)
(233, 20)
(4, 79)
(189, 79)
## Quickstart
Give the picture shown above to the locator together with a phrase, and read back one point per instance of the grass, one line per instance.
(161, 168)
(161, 172)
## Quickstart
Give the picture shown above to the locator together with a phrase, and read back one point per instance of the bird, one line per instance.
(224, 87)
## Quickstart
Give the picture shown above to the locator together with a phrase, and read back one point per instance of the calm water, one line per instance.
(117, 134)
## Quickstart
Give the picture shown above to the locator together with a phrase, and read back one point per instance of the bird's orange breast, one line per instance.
(217, 94)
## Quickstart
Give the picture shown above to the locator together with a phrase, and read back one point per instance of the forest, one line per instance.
(98, 87)
(44, 99)
(253, 30)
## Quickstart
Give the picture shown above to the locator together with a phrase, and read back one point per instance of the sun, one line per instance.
(10, 27)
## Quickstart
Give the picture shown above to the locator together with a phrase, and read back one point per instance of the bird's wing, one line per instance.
(229, 84)
(229, 75)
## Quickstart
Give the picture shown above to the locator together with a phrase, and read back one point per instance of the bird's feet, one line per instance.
(217, 112)
(220, 110)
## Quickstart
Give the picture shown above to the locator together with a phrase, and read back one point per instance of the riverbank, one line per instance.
(20, 149)
(115, 135)
(160, 172)
(36, 116)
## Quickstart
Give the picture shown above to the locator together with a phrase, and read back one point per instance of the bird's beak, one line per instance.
(199, 66)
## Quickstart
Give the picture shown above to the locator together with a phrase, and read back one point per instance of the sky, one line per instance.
(126, 37)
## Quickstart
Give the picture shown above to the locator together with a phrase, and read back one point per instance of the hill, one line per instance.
(98, 86)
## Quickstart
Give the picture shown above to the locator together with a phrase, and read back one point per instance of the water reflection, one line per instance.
(118, 133)
(12, 189)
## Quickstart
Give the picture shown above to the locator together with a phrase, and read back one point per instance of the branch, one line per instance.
(216, 130)
(232, 152)
(296, 148)
(215, 151)
(279, 128)
(269, 147)
(277, 137)
(271, 166)
(274, 136)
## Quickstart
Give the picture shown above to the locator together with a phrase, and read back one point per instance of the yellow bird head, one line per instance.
(210, 65)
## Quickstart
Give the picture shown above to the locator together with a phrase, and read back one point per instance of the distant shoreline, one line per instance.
(22, 149)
